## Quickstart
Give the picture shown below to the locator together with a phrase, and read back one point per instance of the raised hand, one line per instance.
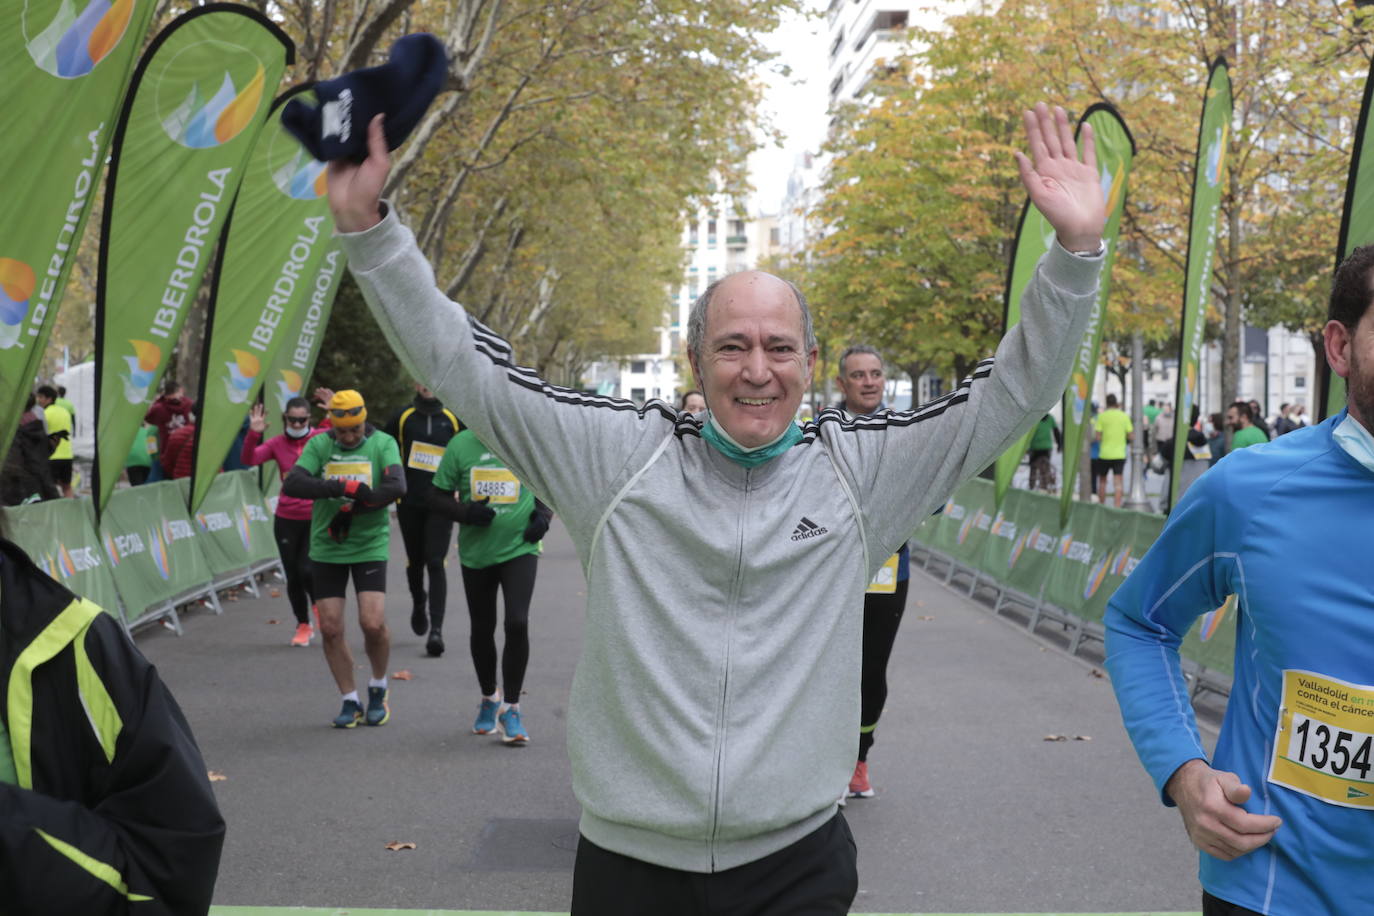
(257, 419)
(323, 396)
(1063, 187)
(355, 189)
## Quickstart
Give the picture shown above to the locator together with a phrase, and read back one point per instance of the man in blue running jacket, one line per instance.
(1283, 813)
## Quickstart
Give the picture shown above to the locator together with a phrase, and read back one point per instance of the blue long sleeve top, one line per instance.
(1286, 527)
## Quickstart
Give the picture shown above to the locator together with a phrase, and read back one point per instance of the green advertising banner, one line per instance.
(63, 68)
(1357, 228)
(1213, 140)
(1037, 539)
(60, 537)
(154, 548)
(1115, 155)
(236, 529)
(276, 241)
(198, 99)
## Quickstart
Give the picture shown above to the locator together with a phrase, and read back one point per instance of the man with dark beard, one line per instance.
(1281, 813)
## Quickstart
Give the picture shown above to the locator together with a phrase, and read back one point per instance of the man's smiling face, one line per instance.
(753, 365)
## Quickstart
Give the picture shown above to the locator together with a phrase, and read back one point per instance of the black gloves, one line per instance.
(340, 524)
(355, 489)
(476, 512)
(538, 526)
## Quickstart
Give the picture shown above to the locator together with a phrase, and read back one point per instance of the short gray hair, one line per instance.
(856, 349)
(696, 318)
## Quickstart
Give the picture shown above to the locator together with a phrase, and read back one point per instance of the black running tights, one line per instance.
(426, 536)
(293, 544)
(515, 579)
(882, 617)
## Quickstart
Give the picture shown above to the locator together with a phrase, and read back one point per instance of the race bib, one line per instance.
(1322, 746)
(152, 445)
(498, 485)
(885, 582)
(425, 457)
(360, 471)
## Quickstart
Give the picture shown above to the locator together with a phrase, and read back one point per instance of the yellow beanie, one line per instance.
(347, 400)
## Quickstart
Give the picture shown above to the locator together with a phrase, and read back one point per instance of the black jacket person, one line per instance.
(104, 802)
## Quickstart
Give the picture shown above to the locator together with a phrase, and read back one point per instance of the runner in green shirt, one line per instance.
(353, 473)
(1240, 417)
(1111, 427)
(498, 545)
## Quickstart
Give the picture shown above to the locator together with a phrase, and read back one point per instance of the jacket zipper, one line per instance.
(725, 683)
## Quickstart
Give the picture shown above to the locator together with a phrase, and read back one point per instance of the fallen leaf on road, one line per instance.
(920, 604)
(402, 675)
(925, 617)
(1056, 737)
(274, 621)
(394, 845)
(215, 776)
(275, 593)
(1082, 737)
(1096, 673)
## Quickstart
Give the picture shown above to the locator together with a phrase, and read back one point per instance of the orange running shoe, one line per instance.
(859, 786)
(303, 634)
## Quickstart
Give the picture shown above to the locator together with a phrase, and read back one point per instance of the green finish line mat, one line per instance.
(350, 911)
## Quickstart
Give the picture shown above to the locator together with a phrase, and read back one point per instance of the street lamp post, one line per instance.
(1136, 499)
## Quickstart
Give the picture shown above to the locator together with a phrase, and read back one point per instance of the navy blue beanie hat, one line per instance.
(401, 89)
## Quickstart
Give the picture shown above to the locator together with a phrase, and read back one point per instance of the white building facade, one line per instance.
(717, 241)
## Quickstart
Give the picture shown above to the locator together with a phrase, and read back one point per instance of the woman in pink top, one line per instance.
(292, 522)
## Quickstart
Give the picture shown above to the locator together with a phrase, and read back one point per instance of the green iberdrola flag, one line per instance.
(274, 245)
(1213, 142)
(63, 68)
(196, 103)
(1115, 151)
(1115, 154)
(1357, 228)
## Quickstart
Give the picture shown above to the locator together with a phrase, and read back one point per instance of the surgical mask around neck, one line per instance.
(298, 432)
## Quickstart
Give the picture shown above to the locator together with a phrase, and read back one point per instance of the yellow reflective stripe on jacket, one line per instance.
(67, 626)
(95, 699)
(107, 873)
(401, 430)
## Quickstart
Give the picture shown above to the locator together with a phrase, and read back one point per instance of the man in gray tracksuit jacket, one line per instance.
(713, 713)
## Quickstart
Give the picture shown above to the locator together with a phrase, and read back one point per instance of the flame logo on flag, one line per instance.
(16, 288)
(1189, 391)
(288, 387)
(245, 532)
(73, 43)
(1211, 621)
(159, 553)
(1079, 388)
(302, 177)
(1216, 156)
(143, 366)
(64, 560)
(243, 375)
(1096, 576)
(111, 550)
(1112, 186)
(204, 120)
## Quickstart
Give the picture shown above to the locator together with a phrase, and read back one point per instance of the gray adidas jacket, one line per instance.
(714, 709)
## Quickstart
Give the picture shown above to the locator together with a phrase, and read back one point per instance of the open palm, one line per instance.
(1065, 188)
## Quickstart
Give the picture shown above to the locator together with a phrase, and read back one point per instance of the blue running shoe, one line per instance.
(378, 712)
(512, 732)
(350, 715)
(486, 717)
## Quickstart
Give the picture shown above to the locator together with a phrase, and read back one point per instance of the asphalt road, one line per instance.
(976, 812)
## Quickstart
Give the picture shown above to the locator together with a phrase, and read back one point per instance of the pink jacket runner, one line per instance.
(284, 450)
